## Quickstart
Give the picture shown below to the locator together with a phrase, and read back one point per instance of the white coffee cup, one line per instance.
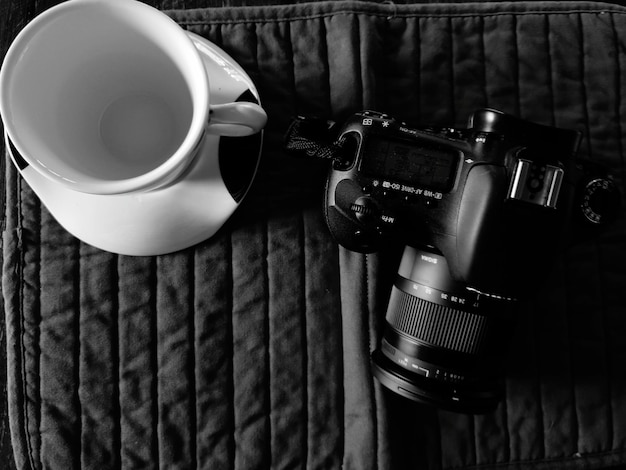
(111, 97)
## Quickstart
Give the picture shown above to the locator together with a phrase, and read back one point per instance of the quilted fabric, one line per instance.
(250, 350)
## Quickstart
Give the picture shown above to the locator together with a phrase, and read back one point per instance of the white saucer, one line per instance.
(175, 217)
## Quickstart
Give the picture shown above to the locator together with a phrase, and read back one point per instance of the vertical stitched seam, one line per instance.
(341, 412)
(581, 48)
(618, 100)
(576, 428)
(618, 95)
(38, 309)
(22, 352)
(324, 52)
(294, 88)
(232, 447)
(266, 288)
(473, 426)
(539, 387)
(229, 341)
(452, 72)
(505, 417)
(585, 96)
(303, 303)
(305, 345)
(385, 62)
(518, 99)
(547, 30)
(607, 345)
(484, 60)
(154, 358)
(77, 450)
(193, 418)
(518, 104)
(115, 350)
(341, 401)
(418, 61)
(357, 25)
(367, 316)
(4, 159)
(266, 334)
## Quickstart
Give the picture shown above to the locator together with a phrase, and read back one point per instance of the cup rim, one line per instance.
(195, 76)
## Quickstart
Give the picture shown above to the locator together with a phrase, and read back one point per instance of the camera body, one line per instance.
(493, 199)
(480, 211)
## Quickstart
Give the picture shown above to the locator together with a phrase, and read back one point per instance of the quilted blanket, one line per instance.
(251, 350)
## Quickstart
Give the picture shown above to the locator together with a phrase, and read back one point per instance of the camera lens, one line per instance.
(443, 343)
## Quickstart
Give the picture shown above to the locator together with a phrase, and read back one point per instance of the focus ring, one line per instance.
(436, 325)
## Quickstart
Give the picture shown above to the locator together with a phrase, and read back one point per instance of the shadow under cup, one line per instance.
(101, 94)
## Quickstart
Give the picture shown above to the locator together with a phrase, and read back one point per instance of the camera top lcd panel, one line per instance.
(405, 162)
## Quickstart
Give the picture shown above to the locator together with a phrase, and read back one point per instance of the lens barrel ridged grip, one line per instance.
(437, 325)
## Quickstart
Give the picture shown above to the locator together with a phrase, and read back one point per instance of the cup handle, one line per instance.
(236, 119)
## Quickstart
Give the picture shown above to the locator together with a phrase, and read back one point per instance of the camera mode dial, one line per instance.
(600, 201)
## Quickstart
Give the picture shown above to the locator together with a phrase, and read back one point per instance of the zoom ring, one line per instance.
(436, 325)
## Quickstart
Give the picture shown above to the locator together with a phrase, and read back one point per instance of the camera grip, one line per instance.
(481, 238)
(498, 238)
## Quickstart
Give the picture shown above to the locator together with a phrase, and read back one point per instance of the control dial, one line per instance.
(600, 201)
(365, 210)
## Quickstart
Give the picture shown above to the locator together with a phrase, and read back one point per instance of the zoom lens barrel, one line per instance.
(443, 343)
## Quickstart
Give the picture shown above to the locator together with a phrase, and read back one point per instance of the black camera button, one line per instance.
(430, 203)
(368, 189)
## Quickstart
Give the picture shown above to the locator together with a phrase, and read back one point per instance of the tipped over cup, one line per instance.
(111, 97)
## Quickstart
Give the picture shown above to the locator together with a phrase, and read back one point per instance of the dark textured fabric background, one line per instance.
(251, 350)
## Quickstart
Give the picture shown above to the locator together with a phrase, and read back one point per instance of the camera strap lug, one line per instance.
(313, 137)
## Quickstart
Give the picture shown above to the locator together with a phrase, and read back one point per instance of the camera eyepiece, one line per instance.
(444, 343)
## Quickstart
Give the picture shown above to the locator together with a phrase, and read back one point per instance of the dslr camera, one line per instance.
(480, 212)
